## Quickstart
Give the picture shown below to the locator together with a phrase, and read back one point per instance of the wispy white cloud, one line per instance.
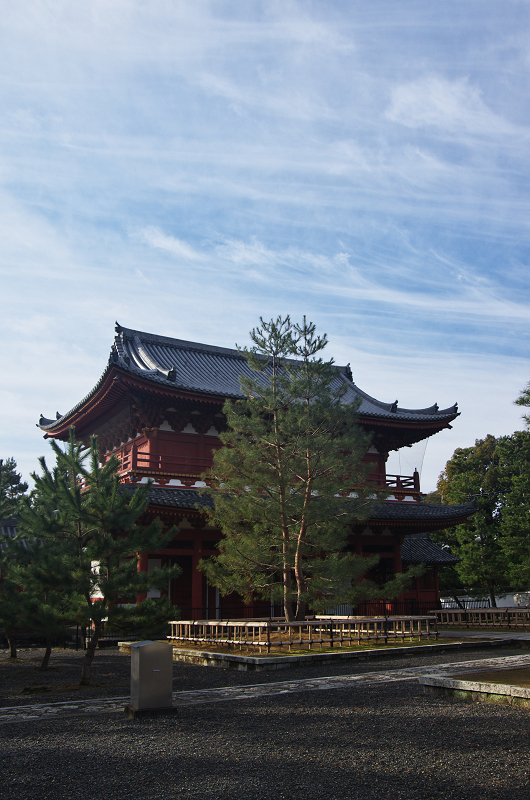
(186, 167)
(449, 105)
(156, 238)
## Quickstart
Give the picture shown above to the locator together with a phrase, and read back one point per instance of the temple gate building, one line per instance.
(158, 407)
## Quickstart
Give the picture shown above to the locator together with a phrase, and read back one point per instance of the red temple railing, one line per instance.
(134, 460)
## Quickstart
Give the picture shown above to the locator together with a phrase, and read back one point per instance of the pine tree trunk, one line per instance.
(493, 601)
(47, 654)
(89, 656)
(287, 606)
(301, 610)
(287, 583)
(12, 645)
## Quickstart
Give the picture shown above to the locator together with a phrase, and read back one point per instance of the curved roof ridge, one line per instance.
(154, 338)
(396, 408)
(216, 371)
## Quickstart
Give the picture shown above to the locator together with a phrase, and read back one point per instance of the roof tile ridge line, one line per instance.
(154, 338)
(167, 372)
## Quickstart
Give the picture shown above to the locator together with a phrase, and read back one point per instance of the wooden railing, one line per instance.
(132, 459)
(320, 632)
(485, 617)
(136, 460)
(398, 484)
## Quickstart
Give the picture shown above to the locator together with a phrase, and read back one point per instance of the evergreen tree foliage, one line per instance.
(41, 568)
(84, 530)
(524, 400)
(11, 613)
(12, 488)
(514, 460)
(282, 483)
(475, 472)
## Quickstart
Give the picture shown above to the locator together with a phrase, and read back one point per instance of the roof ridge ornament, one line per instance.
(394, 406)
(168, 372)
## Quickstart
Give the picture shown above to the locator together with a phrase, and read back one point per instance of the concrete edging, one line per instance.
(477, 692)
(270, 663)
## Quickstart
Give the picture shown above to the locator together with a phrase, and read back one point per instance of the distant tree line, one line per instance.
(494, 545)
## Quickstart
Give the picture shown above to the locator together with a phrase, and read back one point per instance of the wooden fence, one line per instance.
(320, 632)
(485, 618)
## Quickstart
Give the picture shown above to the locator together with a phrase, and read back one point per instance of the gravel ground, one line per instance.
(22, 682)
(367, 743)
(389, 741)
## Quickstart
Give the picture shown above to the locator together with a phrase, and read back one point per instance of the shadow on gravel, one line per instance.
(111, 673)
(389, 741)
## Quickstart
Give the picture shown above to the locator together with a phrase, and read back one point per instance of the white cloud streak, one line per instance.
(185, 167)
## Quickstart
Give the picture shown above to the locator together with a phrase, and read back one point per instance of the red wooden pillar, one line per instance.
(142, 567)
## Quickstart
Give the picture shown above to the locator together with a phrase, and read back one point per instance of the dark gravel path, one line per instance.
(111, 673)
(389, 741)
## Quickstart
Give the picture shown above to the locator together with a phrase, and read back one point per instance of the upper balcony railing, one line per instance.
(398, 485)
(134, 460)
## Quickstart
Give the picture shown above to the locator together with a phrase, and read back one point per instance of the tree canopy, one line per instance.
(12, 488)
(524, 400)
(290, 480)
(75, 554)
(494, 546)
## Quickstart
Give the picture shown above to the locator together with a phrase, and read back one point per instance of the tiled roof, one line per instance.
(8, 527)
(215, 371)
(418, 512)
(174, 497)
(420, 549)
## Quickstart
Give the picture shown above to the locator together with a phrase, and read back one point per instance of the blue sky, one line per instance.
(185, 167)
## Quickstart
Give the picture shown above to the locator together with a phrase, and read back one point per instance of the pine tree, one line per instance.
(41, 568)
(85, 521)
(290, 481)
(12, 488)
(524, 400)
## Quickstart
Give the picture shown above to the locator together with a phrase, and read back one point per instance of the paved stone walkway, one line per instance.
(484, 633)
(116, 704)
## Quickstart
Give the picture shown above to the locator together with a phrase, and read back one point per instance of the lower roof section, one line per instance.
(420, 549)
(422, 512)
(429, 515)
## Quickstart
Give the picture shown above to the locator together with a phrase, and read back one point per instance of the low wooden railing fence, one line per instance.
(320, 632)
(485, 617)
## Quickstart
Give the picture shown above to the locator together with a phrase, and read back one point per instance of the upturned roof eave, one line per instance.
(94, 399)
(93, 406)
(121, 361)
